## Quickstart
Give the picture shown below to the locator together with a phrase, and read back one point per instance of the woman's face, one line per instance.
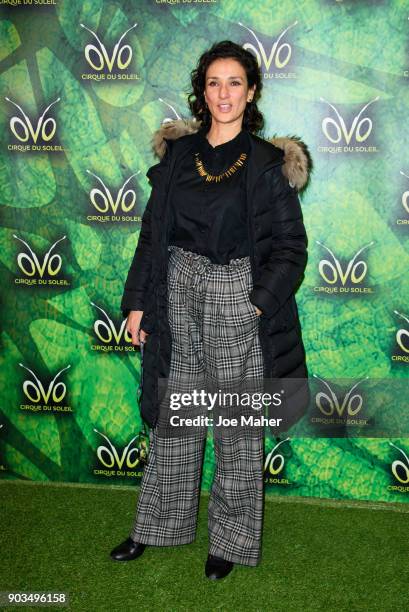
(226, 90)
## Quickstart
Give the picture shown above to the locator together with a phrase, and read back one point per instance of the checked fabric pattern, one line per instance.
(215, 345)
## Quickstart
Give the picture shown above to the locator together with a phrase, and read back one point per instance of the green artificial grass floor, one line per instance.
(317, 555)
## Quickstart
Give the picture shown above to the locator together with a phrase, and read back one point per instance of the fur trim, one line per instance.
(297, 165)
(298, 162)
(172, 130)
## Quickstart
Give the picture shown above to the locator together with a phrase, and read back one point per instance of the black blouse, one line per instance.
(209, 217)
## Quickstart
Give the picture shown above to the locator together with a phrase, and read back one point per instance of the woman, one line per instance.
(210, 291)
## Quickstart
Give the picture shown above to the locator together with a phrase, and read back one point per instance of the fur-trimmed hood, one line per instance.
(297, 165)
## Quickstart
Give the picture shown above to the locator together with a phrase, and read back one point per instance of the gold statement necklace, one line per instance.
(218, 177)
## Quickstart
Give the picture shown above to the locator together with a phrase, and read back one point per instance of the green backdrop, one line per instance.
(83, 87)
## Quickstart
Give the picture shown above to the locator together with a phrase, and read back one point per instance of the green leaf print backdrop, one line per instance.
(83, 87)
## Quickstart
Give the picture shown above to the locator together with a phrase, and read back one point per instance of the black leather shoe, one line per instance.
(217, 568)
(128, 550)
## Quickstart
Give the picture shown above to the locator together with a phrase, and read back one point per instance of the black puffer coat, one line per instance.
(277, 170)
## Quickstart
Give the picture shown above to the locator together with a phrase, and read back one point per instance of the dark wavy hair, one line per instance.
(253, 120)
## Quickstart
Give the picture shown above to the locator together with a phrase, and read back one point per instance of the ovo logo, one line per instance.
(279, 52)
(359, 128)
(103, 200)
(30, 264)
(331, 272)
(109, 456)
(400, 466)
(106, 330)
(402, 335)
(121, 56)
(35, 391)
(23, 129)
(274, 462)
(405, 196)
(328, 402)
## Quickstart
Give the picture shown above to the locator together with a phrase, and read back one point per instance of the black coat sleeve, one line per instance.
(285, 266)
(139, 274)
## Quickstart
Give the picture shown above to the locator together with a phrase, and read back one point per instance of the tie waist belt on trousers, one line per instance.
(205, 290)
(202, 262)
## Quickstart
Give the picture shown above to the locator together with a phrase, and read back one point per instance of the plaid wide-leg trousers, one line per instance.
(214, 329)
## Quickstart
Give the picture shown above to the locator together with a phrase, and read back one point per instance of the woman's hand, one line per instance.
(258, 311)
(133, 327)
